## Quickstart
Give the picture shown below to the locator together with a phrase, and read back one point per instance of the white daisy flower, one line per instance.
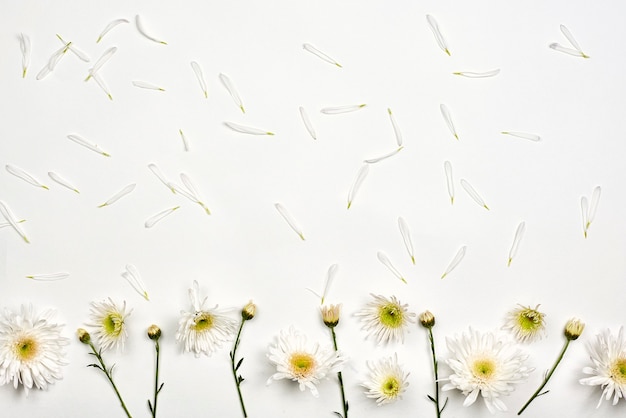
(386, 319)
(300, 361)
(608, 355)
(31, 349)
(386, 381)
(108, 323)
(525, 323)
(203, 330)
(486, 364)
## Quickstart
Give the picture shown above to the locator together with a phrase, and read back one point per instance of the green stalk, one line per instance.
(107, 372)
(157, 389)
(548, 376)
(238, 379)
(340, 378)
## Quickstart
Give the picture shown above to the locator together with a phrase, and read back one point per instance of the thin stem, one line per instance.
(107, 372)
(156, 379)
(340, 378)
(238, 379)
(435, 369)
(548, 376)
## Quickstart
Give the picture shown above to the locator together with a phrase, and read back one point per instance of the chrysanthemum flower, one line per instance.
(300, 361)
(608, 355)
(386, 381)
(31, 349)
(203, 330)
(484, 364)
(386, 319)
(108, 323)
(525, 323)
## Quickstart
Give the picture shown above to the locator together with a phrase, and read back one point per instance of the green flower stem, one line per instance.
(107, 372)
(157, 389)
(340, 378)
(548, 376)
(436, 371)
(238, 379)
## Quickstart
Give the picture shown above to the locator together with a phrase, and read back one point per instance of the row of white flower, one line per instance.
(32, 350)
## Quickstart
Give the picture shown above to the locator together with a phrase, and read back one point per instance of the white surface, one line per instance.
(245, 250)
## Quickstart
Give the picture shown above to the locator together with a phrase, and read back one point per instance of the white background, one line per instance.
(245, 250)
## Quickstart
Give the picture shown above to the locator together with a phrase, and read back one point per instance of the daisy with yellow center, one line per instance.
(31, 349)
(525, 323)
(485, 364)
(203, 330)
(386, 381)
(608, 356)
(302, 362)
(386, 319)
(108, 321)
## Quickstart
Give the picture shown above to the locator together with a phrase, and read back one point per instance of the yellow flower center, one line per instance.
(391, 315)
(203, 321)
(483, 369)
(530, 320)
(112, 323)
(618, 370)
(390, 387)
(302, 364)
(26, 348)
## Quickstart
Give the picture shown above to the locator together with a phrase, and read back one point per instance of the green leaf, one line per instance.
(150, 406)
(338, 414)
(238, 364)
(160, 387)
(431, 398)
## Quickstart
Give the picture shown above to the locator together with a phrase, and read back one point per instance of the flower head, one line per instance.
(203, 330)
(154, 332)
(386, 319)
(427, 319)
(525, 323)
(608, 355)
(109, 323)
(83, 336)
(386, 381)
(330, 315)
(302, 362)
(573, 329)
(31, 349)
(248, 311)
(484, 364)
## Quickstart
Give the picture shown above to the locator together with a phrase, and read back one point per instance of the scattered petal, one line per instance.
(53, 61)
(524, 135)
(198, 72)
(449, 182)
(82, 141)
(117, 196)
(570, 51)
(406, 237)
(383, 157)
(396, 128)
(8, 215)
(142, 30)
(519, 233)
(153, 167)
(455, 261)
(357, 183)
(25, 48)
(385, 260)
(49, 277)
(341, 109)
(19, 173)
(438, 36)
(232, 91)
(320, 54)
(146, 85)
(473, 194)
(185, 143)
(484, 74)
(593, 207)
(104, 58)
(100, 81)
(6, 224)
(80, 54)
(190, 193)
(246, 129)
(332, 271)
(109, 27)
(133, 277)
(54, 176)
(151, 221)
(584, 206)
(571, 40)
(445, 112)
(307, 123)
(290, 220)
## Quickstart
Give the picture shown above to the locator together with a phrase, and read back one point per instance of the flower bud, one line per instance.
(330, 315)
(83, 335)
(154, 332)
(248, 311)
(573, 329)
(427, 319)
